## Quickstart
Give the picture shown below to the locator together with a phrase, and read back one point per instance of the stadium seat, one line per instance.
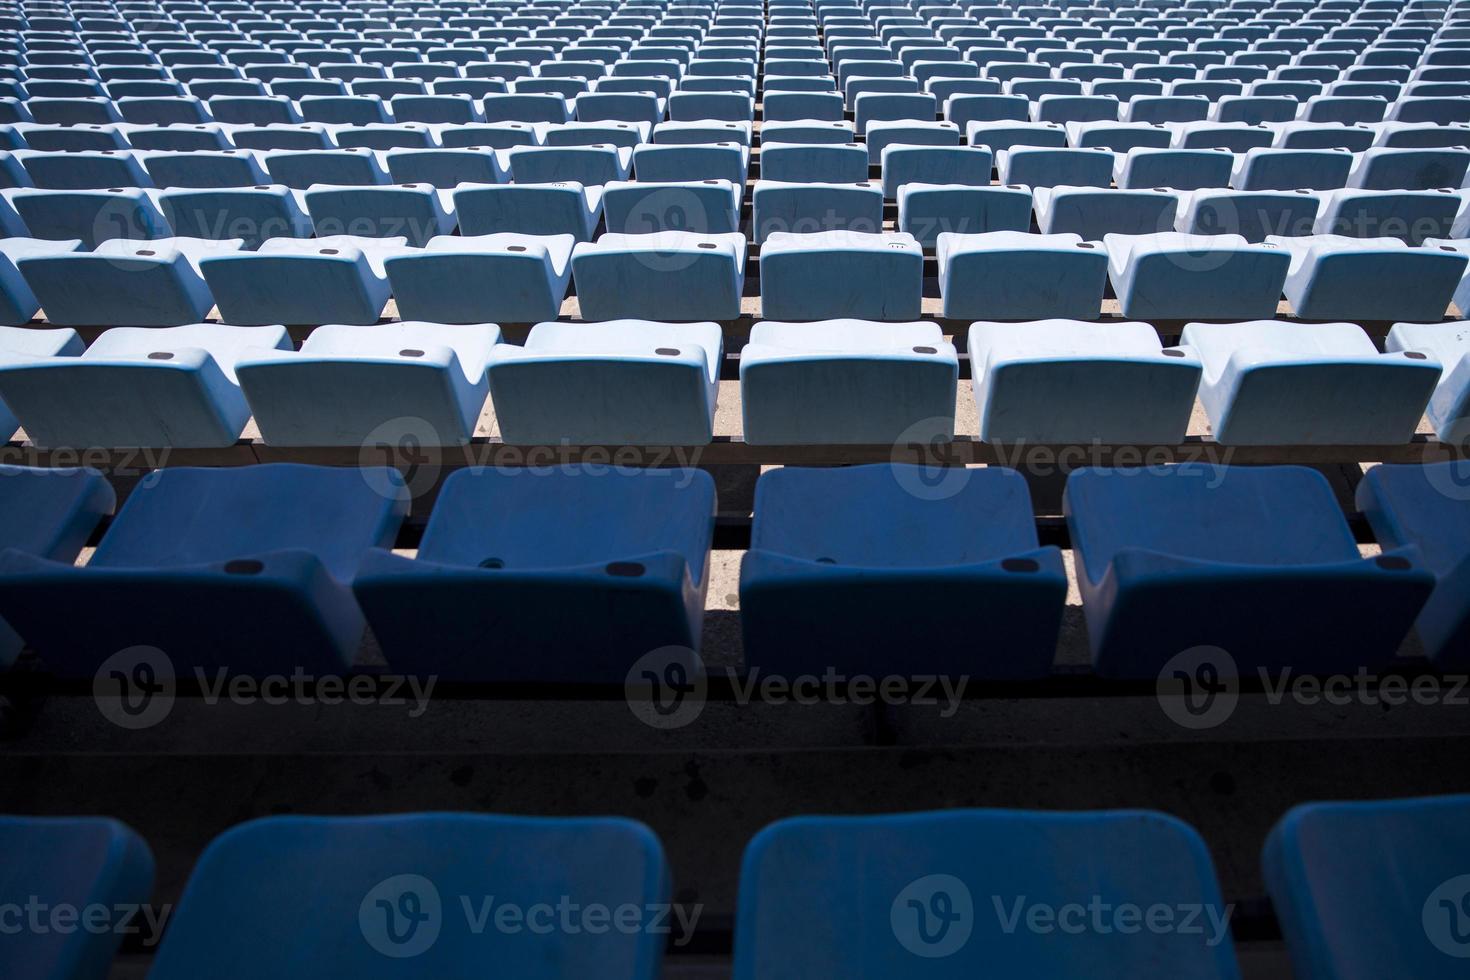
(928, 210)
(18, 305)
(671, 275)
(505, 278)
(241, 568)
(1116, 136)
(903, 164)
(558, 208)
(125, 283)
(1257, 561)
(303, 281)
(1273, 383)
(624, 134)
(781, 207)
(414, 212)
(208, 168)
(344, 110)
(1275, 169)
(1176, 169)
(155, 387)
(1037, 167)
(526, 108)
(61, 863)
(704, 207)
(617, 383)
(702, 132)
(446, 168)
(1447, 343)
(1410, 216)
(252, 214)
(1004, 135)
(787, 106)
(536, 562)
(1094, 212)
(92, 216)
(1414, 169)
(808, 131)
(1017, 276)
(841, 274)
(916, 892)
(655, 162)
(824, 163)
(350, 385)
(847, 381)
(1253, 215)
(1334, 277)
(1235, 137)
(587, 165)
(1069, 382)
(1368, 887)
(83, 170)
(1169, 276)
(305, 136)
(882, 135)
(299, 169)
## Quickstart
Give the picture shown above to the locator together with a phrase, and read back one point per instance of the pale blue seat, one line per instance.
(1067, 382)
(252, 214)
(654, 162)
(1343, 109)
(388, 136)
(1441, 110)
(616, 383)
(260, 557)
(303, 281)
(351, 385)
(1410, 216)
(839, 274)
(75, 863)
(299, 169)
(702, 131)
(491, 135)
(1413, 169)
(1447, 343)
(731, 106)
(587, 165)
(1250, 214)
(1011, 275)
(706, 207)
(339, 110)
(205, 168)
(904, 164)
(305, 136)
(928, 210)
(18, 305)
(1373, 888)
(672, 275)
(19, 345)
(835, 163)
(414, 212)
(808, 131)
(1176, 169)
(1093, 212)
(803, 208)
(83, 169)
(435, 109)
(1420, 135)
(1166, 109)
(446, 168)
(626, 106)
(847, 381)
(1257, 561)
(1334, 277)
(1423, 506)
(612, 132)
(558, 208)
(1037, 166)
(1235, 137)
(1116, 136)
(526, 108)
(784, 106)
(1171, 276)
(1318, 136)
(253, 110)
(166, 110)
(57, 139)
(921, 892)
(1254, 109)
(159, 387)
(881, 135)
(1270, 383)
(536, 563)
(125, 283)
(871, 107)
(506, 278)
(1076, 108)
(73, 112)
(1004, 135)
(1279, 169)
(964, 109)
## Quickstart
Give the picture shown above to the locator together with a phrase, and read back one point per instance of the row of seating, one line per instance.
(275, 568)
(684, 276)
(598, 163)
(1357, 886)
(634, 382)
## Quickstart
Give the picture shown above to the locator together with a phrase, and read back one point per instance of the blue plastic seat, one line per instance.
(389, 136)
(18, 305)
(625, 134)
(1037, 166)
(559, 208)
(1443, 111)
(1278, 169)
(1272, 383)
(728, 161)
(156, 387)
(587, 165)
(808, 131)
(1116, 136)
(1371, 888)
(83, 169)
(1176, 169)
(778, 206)
(1334, 277)
(1254, 109)
(1414, 169)
(904, 164)
(941, 894)
(526, 108)
(1166, 109)
(714, 131)
(303, 281)
(355, 110)
(349, 385)
(827, 163)
(253, 110)
(125, 283)
(671, 275)
(1169, 276)
(847, 381)
(928, 210)
(1256, 561)
(1253, 215)
(241, 568)
(625, 106)
(91, 216)
(446, 168)
(732, 106)
(58, 139)
(841, 274)
(881, 135)
(536, 563)
(786, 106)
(73, 112)
(1447, 343)
(1012, 275)
(1298, 135)
(76, 863)
(705, 207)
(1095, 212)
(482, 279)
(166, 110)
(435, 109)
(305, 136)
(252, 214)
(621, 382)
(415, 212)
(300, 169)
(1067, 382)
(490, 136)
(1413, 217)
(998, 136)
(1235, 137)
